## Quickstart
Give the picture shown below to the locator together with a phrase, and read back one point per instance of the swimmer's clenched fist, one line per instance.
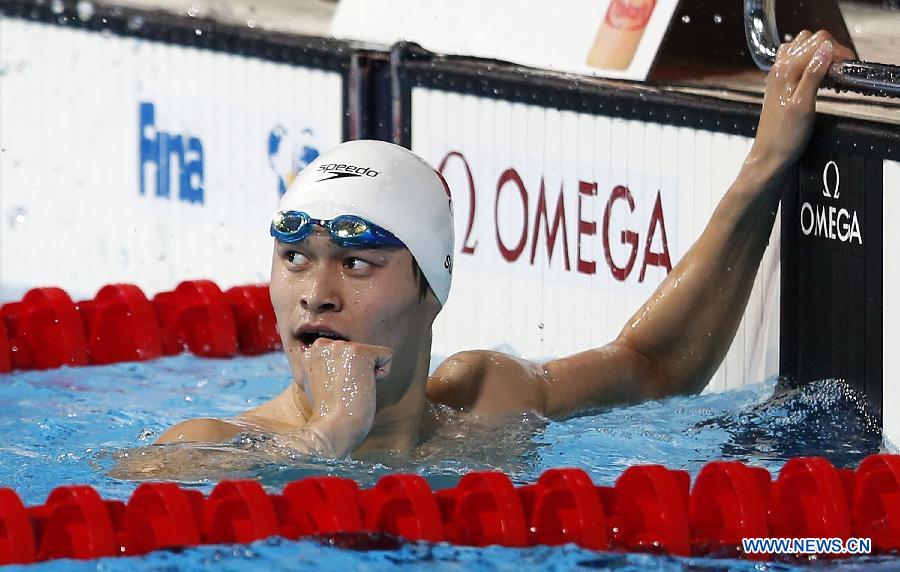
(339, 380)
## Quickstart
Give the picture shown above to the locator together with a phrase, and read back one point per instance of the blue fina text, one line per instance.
(170, 165)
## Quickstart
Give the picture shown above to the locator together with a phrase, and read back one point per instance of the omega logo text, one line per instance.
(546, 224)
(830, 221)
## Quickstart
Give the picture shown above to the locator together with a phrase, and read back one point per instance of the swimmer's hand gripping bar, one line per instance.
(763, 40)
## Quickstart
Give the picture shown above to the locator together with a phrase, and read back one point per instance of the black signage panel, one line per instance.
(831, 271)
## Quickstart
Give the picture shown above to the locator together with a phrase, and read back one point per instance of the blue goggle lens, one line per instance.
(346, 230)
(348, 226)
(288, 223)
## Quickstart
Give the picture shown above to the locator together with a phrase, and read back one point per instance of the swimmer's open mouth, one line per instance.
(309, 334)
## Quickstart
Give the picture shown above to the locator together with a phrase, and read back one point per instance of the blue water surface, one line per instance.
(83, 425)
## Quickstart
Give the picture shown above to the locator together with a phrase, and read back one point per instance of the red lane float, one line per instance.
(729, 502)
(163, 515)
(76, 523)
(809, 499)
(17, 537)
(403, 505)
(484, 508)
(121, 325)
(196, 316)
(5, 357)
(324, 505)
(19, 352)
(46, 329)
(564, 506)
(239, 511)
(254, 318)
(650, 509)
(876, 501)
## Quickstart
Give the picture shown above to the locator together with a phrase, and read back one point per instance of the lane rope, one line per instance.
(649, 509)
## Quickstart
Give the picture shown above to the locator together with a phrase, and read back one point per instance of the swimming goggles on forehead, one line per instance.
(345, 230)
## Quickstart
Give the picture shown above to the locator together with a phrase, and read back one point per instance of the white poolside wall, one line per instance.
(71, 209)
(543, 309)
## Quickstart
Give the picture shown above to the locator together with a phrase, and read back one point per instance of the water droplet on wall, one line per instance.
(135, 23)
(85, 10)
(122, 257)
(18, 218)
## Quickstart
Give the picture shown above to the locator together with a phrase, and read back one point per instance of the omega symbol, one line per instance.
(826, 188)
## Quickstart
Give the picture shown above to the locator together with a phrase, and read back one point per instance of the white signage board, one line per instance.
(610, 38)
(891, 316)
(125, 160)
(566, 222)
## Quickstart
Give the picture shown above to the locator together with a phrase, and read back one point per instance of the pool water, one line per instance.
(88, 425)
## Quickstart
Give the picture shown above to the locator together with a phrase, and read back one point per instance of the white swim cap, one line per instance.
(389, 186)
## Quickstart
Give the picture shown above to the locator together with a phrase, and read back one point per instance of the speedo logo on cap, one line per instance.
(341, 171)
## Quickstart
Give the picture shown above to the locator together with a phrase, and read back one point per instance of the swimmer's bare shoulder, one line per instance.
(273, 416)
(488, 382)
(203, 430)
(493, 383)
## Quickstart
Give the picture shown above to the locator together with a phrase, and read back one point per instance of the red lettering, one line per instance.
(627, 236)
(660, 259)
(511, 255)
(585, 228)
(559, 218)
(466, 247)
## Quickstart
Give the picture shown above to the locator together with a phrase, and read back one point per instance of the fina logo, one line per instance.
(170, 164)
(829, 221)
(289, 155)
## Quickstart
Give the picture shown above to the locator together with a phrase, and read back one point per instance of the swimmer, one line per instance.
(363, 250)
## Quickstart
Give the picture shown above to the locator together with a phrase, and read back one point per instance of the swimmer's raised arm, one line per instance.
(677, 339)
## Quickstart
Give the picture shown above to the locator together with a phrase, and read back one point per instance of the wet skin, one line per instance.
(368, 389)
